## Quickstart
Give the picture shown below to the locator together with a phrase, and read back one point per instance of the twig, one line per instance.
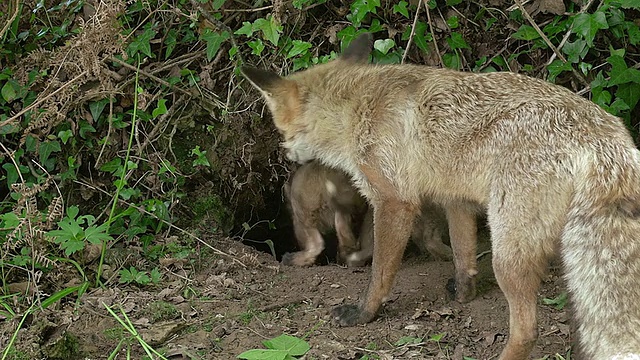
(220, 25)
(433, 34)
(248, 10)
(150, 76)
(10, 154)
(143, 210)
(548, 42)
(109, 130)
(413, 31)
(37, 103)
(11, 20)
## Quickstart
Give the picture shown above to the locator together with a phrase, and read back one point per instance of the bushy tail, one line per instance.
(601, 253)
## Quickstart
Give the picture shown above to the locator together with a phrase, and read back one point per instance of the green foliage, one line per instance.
(132, 275)
(283, 347)
(74, 235)
(559, 302)
(408, 340)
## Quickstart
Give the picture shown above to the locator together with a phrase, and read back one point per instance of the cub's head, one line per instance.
(286, 98)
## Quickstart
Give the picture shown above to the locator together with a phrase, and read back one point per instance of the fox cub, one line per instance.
(321, 199)
(556, 174)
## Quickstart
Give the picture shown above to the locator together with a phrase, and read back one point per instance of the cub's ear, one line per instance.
(263, 80)
(359, 49)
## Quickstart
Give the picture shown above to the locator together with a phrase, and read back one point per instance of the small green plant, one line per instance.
(408, 340)
(283, 347)
(132, 275)
(437, 338)
(248, 315)
(558, 302)
(201, 158)
(74, 235)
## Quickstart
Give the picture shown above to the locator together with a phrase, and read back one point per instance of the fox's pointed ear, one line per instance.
(263, 80)
(359, 49)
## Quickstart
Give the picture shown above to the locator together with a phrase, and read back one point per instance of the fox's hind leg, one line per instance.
(525, 231)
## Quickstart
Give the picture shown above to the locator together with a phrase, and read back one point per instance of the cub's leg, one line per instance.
(310, 240)
(361, 257)
(464, 238)
(347, 242)
(428, 232)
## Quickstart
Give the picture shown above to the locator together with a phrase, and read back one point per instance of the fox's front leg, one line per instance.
(393, 222)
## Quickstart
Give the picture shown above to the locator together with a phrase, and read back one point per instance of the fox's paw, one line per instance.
(462, 291)
(350, 315)
(297, 259)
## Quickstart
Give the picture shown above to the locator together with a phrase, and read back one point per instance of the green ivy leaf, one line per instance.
(161, 109)
(588, 25)
(246, 29)
(526, 32)
(634, 32)
(630, 93)
(401, 8)
(214, 40)
(257, 46)
(65, 135)
(298, 48)
(12, 173)
(453, 2)
(84, 128)
(360, 9)
(142, 43)
(46, 148)
(270, 29)
(618, 106)
(626, 76)
(453, 22)
(422, 37)
(556, 68)
(97, 107)
(112, 165)
(217, 4)
(384, 45)
(452, 61)
(576, 50)
(8, 92)
(626, 4)
(456, 41)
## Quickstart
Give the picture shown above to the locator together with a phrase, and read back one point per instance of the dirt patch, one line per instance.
(228, 306)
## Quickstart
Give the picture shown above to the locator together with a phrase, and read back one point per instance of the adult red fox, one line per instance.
(556, 174)
(321, 198)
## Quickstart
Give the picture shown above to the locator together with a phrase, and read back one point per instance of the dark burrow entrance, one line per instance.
(274, 223)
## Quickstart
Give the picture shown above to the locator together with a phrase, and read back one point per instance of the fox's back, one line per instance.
(463, 124)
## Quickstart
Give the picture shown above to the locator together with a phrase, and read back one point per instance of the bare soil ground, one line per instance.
(223, 306)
